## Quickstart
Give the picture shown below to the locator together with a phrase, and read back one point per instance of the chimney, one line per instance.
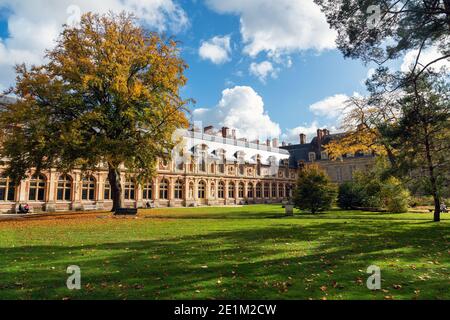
(326, 132)
(275, 143)
(283, 144)
(319, 134)
(233, 133)
(302, 138)
(268, 142)
(208, 130)
(225, 132)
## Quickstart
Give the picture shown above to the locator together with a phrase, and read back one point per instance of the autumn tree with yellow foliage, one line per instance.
(109, 95)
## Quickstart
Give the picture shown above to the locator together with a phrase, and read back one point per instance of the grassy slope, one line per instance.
(227, 253)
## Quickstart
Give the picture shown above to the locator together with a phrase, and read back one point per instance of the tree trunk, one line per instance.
(116, 186)
(434, 188)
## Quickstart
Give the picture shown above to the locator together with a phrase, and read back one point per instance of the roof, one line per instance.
(299, 152)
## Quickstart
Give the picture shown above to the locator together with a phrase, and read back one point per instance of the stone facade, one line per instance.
(207, 169)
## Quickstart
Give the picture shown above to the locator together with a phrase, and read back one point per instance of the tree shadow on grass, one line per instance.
(284, 261)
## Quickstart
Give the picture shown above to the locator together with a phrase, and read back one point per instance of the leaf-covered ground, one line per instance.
(251, 252)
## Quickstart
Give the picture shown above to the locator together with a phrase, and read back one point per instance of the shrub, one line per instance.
(314, 191)
(395, 196)
(350, 195)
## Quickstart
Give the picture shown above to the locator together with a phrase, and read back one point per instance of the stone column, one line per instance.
(50, 205)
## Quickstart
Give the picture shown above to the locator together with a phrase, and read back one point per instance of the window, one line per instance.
(266, 190)
(259, 191)
(241, 169)
(201, 190)
(147, 191)
(180, 165)
(258, 168)
(312, 156)
(107, 191)
(88, 188)
(7, 189)
(202, 164)
(241, 190)
(221, 190)
(231, 190)
(64, 192)
(178, 190)
(274, 190)
(212, 168)
(164, 190)
(250, 191)
(129, 189)
(339, 174)
(324, 155)
(280, 191)
(37, 188)
(222, 165)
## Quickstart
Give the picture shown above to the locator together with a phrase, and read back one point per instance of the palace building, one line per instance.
(208, 168)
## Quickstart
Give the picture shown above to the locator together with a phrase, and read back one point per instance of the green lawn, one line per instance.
(252, 252)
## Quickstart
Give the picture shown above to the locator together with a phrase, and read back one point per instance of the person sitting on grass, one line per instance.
(444, 208)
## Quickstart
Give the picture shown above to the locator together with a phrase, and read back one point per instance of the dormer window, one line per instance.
(312, 156)
(324, 155)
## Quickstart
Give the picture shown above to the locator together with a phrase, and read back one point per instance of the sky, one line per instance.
(268, 68)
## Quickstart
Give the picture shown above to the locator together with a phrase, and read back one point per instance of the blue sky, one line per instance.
(268, 68)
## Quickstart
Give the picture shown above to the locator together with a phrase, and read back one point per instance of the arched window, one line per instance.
(274, 190)
(250, 190)
(64, 192)
(37, 188)
(241, 190)
(201, 190)
(7, 189)
(147, 191)
(231, 190)
(88, 188)
(164, 190)
(179, 190)
(266, 190)
(129, 189)
(258, 191)
(107, 191)
(221, 190)
(280, 191)
(212, 168)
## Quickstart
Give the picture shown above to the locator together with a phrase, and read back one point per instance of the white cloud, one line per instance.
(243, 109)
(293, 135)
(34, 25)
(217, 49)
(263, 70)
(279, 27)
(330, 107)
(426, 57)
